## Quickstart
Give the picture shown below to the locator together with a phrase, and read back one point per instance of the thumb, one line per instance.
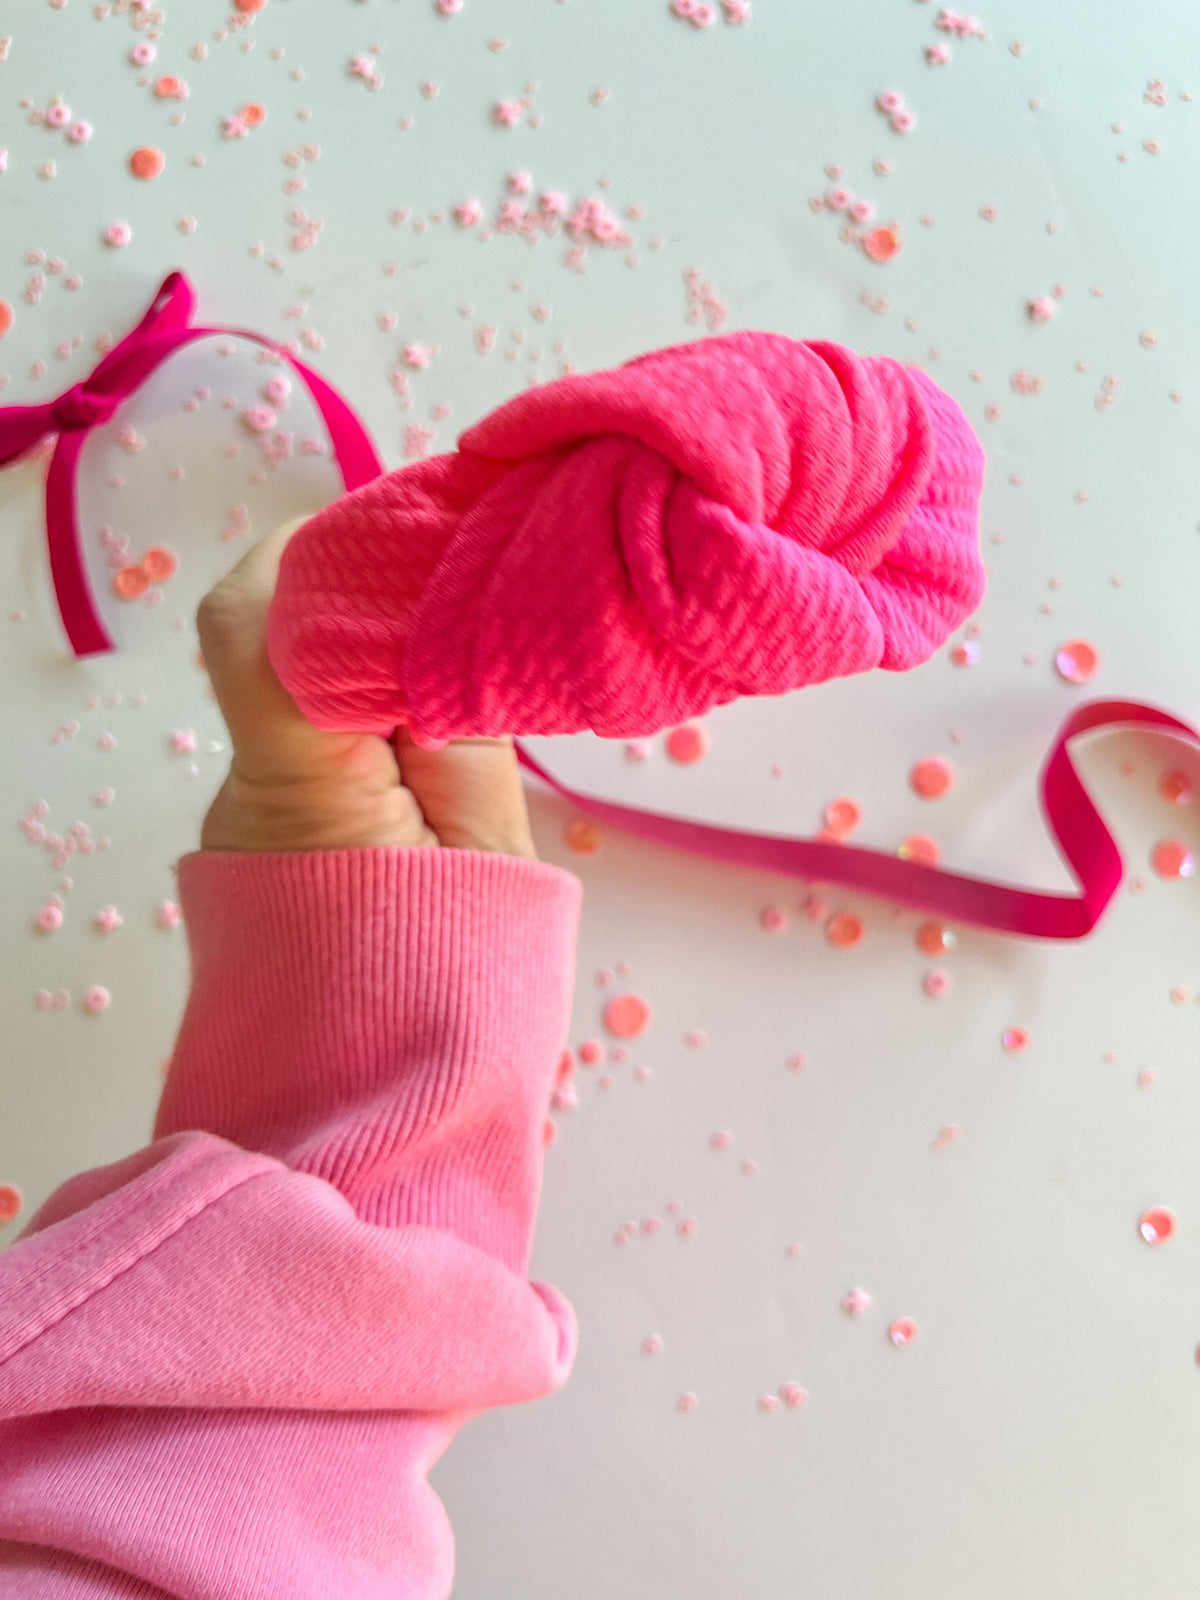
(266, 726)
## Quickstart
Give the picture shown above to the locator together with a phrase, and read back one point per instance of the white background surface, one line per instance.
(1040, 1436)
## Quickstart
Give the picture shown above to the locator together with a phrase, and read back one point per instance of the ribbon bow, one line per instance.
(165, 328)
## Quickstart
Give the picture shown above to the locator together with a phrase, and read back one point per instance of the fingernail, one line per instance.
(425, 740)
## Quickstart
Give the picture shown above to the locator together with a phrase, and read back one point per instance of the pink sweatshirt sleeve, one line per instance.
(228, 1362)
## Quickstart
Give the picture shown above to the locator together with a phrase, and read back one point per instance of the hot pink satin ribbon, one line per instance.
(163, 330)
(1077, 827)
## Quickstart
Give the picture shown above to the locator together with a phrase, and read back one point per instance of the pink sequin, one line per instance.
(1014, 1040)
(591, 1051)
(903, 1331)
(773, 919)
(276, 391)
(96, 1000)
(920, 847)
(842, 816)
(843, 930)
(934, 938)
(931, 778)
(855, 1302)
(936, 983)
(1175, 787)
(627, 1015)
(1157, 1225)
(10, 1202)
(688, 743)
(1077, 661)
(1170, 858)
(792, 1395)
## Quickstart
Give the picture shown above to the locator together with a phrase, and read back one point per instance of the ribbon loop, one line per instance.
(81, 408)
(165, 327)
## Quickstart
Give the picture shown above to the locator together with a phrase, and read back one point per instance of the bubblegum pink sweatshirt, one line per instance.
(228, 1361)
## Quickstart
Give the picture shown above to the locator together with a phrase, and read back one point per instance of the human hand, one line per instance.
(293, 787)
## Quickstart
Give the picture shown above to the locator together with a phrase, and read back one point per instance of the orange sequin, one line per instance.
(147, 162)
(131, 582)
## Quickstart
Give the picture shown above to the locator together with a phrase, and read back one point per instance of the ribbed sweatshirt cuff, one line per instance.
(389, 1020)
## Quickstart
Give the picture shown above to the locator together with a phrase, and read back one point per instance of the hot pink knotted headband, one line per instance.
(621, 551)
(1077, 827)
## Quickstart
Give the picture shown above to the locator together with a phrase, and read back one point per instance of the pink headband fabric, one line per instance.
(741, 515)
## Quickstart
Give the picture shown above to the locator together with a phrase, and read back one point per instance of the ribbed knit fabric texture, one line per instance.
(618, 551)
(228, 1361)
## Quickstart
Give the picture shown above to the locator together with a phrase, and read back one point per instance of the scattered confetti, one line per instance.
(934, 938)
(1176, 787)
(147, 163)
(96, 1000)
(843, 930)
(1077, 661)
(931, 778)
(921, 848)
(583, 836)
(1157, 1225)
(1170, 858)
(688, 743)
(842, 817)
(627, 1016)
